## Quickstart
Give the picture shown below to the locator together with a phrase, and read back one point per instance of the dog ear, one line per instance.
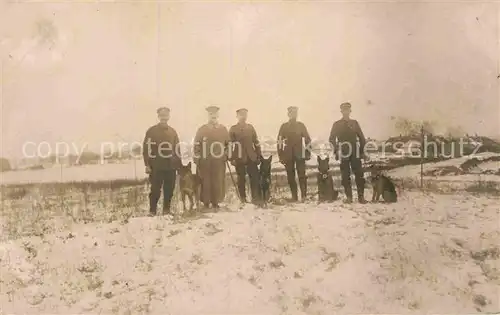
(188, 165)
(270, 158)
(318, 158)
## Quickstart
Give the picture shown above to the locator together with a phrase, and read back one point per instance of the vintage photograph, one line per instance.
(249, 157)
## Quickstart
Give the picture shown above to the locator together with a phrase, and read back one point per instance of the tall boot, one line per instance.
(295, 195)
(243, 194)
(168, 191)
(292, 183)
(153, 204)
(347, 190)
(360, 186)
(241, 184)
(155, 193)
(303, 188)
(254, 188)
(166, 207)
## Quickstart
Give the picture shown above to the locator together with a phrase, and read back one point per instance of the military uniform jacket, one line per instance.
(293, 142)
(161, 149)
(245, 145)
(344, 137)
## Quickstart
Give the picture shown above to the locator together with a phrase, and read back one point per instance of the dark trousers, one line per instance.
(159, 179)
(354, 163)
(300, 166)
(252, 170)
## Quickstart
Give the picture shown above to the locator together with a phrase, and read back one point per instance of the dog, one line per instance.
(326, 190)
(265, 179)
(190, 185)
(382, 186)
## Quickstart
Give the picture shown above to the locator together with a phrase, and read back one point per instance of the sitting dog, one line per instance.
(190, 185)
(265, 180)
(326, 191)
(382, 186)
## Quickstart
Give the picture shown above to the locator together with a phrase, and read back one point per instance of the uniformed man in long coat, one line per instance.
(245, 155)
(293, 151)
(162, 159)
(210, 155)
(344, 137)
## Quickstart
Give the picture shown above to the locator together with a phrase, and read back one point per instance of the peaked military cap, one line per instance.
(161, 109)
(292, 108)
(345, 105)
(212, 109)
(241, 110)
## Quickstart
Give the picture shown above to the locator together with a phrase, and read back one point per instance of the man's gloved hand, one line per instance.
(233, 162)
(148, 170)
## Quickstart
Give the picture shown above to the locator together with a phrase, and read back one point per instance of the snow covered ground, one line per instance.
(428, 253)
(413, 171)
(93, 172)
(493, 166)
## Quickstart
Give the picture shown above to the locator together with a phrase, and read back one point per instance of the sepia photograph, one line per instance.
(262, 157)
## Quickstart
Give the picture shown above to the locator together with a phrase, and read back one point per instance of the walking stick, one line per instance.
(234, 182)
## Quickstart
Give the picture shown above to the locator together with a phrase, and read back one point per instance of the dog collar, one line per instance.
(324, 176)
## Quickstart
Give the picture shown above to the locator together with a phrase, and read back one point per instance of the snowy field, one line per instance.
(427, 254)
(134, 169)
(413, 171)
(94, 172)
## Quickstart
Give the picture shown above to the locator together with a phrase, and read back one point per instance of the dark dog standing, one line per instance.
(382, 186)
(190, 185)
(265, 179)
(326, 191)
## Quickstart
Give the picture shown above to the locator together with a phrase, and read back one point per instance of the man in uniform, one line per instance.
(293, 152)
(245, 155)
(344, 136)
(162, 159)
(210, 156)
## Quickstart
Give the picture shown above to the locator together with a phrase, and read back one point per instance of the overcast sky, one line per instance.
(85, 73)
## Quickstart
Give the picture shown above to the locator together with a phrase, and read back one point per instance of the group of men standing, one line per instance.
(215, 146)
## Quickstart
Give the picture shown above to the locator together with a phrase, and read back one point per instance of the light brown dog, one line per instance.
(190, 185)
